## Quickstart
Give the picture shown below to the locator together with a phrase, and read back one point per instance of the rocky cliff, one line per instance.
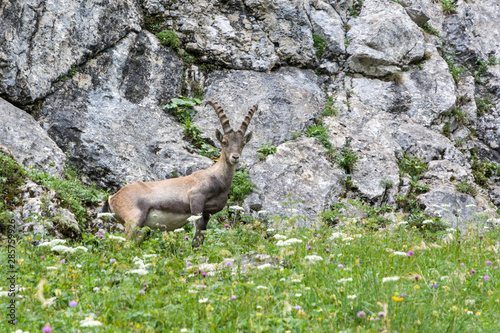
(354, 95)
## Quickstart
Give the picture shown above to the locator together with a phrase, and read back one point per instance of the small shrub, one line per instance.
(328, 109)
(320, 132)
(11, 177)
(483, 67)
(431, 30)
(449, 6)
(169, 38)
(182, 109)
(347, 158)
(320, 45)
(465, 187)
(411, 165)
(266, 150)
(483, 170)
(484, 105)
(241, 187)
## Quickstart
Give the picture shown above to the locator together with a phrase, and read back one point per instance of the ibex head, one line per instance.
(232, 141)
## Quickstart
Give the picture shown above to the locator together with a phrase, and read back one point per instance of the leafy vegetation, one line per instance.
(449, 6)
(431, 30)
(448, 54)
(483, 170)
(465, 187)
(484, 104)
(320, 45)
(328, 110)
(169, 38)
(398, 279)
(320, 132)
(69, 189)
(482, 68)
(183, 109)
(413, 167)
(240, 188)
(265, 151)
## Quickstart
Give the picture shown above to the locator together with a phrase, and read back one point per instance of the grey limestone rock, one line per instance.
(41, 40)
(28, 143)
(297, 172)
(383, 39)
(108, 118)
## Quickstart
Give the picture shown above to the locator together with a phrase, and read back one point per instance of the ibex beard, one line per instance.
(171, 202)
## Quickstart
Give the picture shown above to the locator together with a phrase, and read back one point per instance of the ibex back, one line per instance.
(171, 202)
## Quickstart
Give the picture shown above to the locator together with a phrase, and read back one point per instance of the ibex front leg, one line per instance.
(197, 203)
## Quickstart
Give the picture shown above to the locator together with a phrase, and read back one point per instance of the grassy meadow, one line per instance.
(395, 279)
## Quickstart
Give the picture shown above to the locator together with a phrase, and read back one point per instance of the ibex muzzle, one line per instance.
(171, 202)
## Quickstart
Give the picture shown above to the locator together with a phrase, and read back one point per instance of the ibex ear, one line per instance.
(218, 135)
(248, 137)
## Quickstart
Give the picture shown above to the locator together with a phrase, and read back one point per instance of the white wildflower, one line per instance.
(288, 242)
(53, 242)
(65, 249)
(184, 330)
(336, 235)
(264, 266)
(390, 278)
(278, 236)
(90, 322)
(443, 278)
(296, 280)
(21, 331)
(203, 300)
(283, 280)
(469, 312)
(307, 288)
(194, 218)
(140, 271)
(398, 253)
(313, 258)
(298, 295)
(351, 296)
(150, 255)
(427, 221)
(471, 206)
(236, 208)
(402, 222)
(345, 280)
(348, 239)
(51, 267)
(118, 238)
(179, 230)
(96, 289)
(78, 266)
(192, 291)
(260, 287)
(271, 230)
(470, 301)
(259, 307)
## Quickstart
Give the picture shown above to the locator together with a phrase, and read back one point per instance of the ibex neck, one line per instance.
(224, 170)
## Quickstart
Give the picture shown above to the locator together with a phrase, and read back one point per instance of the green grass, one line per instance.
(431, 291)
(320, 45)
(266, 150)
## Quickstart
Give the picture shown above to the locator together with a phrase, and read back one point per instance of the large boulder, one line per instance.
(107, 116)
(383, 39)
(28, 143)
(289, 99)
(41, 40)
(296, 182)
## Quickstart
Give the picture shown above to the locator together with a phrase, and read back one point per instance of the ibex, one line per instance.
(171, 202)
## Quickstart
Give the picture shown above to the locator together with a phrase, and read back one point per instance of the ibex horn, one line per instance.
(226, 127)
(246, 122)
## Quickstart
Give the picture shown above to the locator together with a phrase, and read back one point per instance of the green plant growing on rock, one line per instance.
(483, 67)
(240, 188)
(265, 151)
(483, 104)
(169, 38)
(449, 56)
(328, 110)
(431, 30)
(320, 132)
(465, 187)
(182, 108)
(320, 45)
(413, 167)
(449, 6)
(483, 170)
(346, 159)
